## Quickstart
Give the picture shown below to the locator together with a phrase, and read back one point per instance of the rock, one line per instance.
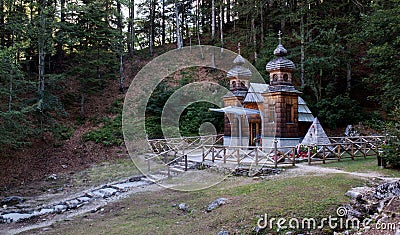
(183, 207)
(84, 199)
(52, 177)
(354, 195)
(136, 178)
(223, 233)
(387, 190)
(71, 204)
(215, 204)
(60, 208)
(126, 185)
(15, 217)
(102, 193)
(12, 200)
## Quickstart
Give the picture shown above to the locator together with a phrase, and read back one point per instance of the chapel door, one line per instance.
(255, 133)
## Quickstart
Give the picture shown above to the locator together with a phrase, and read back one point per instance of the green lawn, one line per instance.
(359, 164)
(153, 212)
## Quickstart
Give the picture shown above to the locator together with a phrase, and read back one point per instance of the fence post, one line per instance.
(256, 155)
(309, 155)
(224, 154)
(352, 151)
(238, 156)
(276, 152)
(186, 162)
(323, 154)
(203, 152)
(339, 153)
(212, 154)
(293, 157)
(365, 150)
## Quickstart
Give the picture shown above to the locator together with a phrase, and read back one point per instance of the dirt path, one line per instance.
(318, 170)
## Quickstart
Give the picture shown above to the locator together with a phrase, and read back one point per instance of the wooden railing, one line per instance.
(172, 150)
(249, 155)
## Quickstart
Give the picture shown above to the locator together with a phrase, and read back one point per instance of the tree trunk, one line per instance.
(83, 105)
(283, 17)
(11, 91)
(228, 11)
(262, 23)
(348, 77)
(253, 29)
(163, 23)
(41, 39)
(302, 50)
(131, 30)
(2, 22)
(178, 28)
(152, 18)
(221, 25)
(213, 19)
(121, 73)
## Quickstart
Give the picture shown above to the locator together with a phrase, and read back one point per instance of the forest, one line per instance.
(57, 56)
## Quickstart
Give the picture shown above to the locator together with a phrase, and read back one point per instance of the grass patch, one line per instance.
(106, 172)
(153, 213)
(109, 134)
(370, 164)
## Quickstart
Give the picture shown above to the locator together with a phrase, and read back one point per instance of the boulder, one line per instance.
(388, 190)
(215, 204)
(12, 200)
(183, 207)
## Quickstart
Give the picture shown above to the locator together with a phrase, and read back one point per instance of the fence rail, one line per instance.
(210, 148)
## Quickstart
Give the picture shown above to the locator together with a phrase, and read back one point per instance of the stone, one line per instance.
(84, 199)
(71, 204)
(15, 217)
(60, 208)
(223, 233)
(52, 177)
(215, 204)
(108, 192)
(136, 178)
(127, 185)
(354, 195)
(183, 207)
(388, 190)
(12, 200)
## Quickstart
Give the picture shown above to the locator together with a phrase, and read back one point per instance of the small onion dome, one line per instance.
(280, 62)
(239, 70)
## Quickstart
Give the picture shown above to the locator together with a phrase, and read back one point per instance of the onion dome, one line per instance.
(238, 70)
(280, 68)
(280, 62)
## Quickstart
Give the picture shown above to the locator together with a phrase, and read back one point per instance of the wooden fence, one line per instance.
(340, 148)
(170, 151)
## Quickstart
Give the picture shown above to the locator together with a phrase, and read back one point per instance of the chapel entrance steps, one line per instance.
(175, 167)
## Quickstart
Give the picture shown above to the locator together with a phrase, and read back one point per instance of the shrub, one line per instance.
(391, 146)
(109, 134)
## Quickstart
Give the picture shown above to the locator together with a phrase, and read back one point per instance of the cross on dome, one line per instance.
(280, 37)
